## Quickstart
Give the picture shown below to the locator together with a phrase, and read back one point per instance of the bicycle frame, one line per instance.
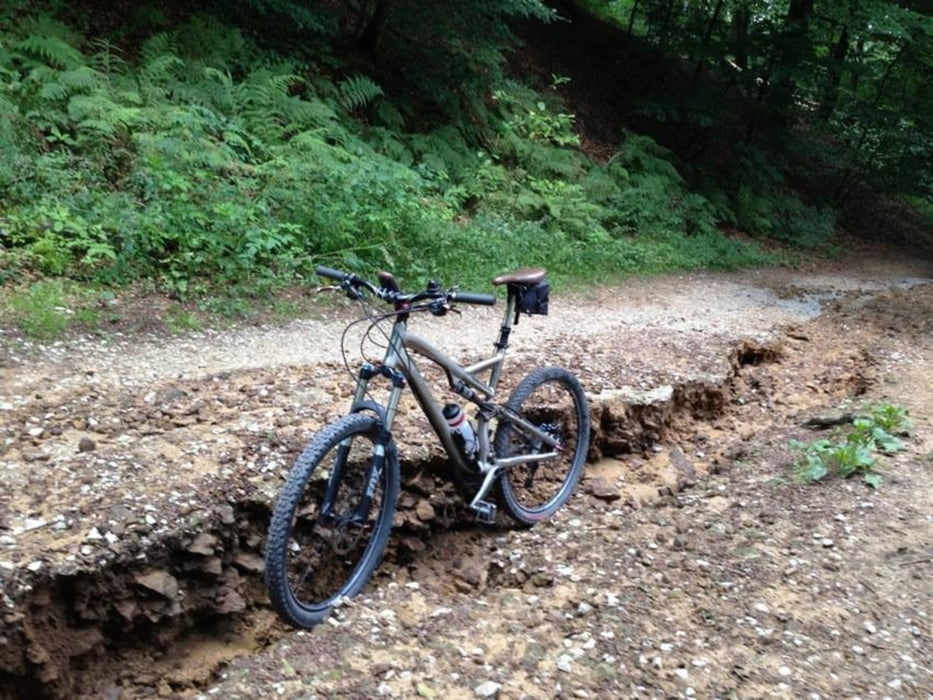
(400, 367)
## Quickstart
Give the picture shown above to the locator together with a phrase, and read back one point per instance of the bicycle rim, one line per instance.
(553, 400)
(326, 538)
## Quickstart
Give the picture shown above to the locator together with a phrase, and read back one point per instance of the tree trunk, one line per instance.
(793, 48)
(837, 58)
(666, 24)
(370, 21)
(741, 19)
(631, 17)
(706, 37)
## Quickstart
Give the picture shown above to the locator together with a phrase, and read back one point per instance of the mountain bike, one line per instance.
(331, 521)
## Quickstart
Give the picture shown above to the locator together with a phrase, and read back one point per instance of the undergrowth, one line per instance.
(212, 166)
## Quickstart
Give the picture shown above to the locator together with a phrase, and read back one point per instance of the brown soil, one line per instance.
(692, 562)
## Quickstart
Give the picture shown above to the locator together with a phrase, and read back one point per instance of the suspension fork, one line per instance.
(384, 448)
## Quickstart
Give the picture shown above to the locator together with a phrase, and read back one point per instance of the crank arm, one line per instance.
(490, 476)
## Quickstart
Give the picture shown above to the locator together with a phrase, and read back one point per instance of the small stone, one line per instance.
(34, 566)
(489, 689)
(212, 565)
(229, 601)
(159, 581)
(203, 544)
(248, 561)
(226, 514)
(425, 511)
(564, 663)
(93, 535)
(33, 524)
(599, 488)
(85, 444)
(784, 671)
(686, 471)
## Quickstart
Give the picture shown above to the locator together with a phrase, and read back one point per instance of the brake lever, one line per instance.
(352, 292)
(440, 307)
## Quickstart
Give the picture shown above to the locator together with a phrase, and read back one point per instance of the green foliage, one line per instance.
(455, 53)
(856, 453)
(356, 92)
(205, 162)
(45, 309)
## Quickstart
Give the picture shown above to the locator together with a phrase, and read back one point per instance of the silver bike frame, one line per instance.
(463, 381)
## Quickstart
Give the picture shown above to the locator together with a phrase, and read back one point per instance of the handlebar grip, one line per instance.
(325, 271)
(473, 298)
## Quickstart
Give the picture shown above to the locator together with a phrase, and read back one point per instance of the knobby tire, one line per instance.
(314, 556)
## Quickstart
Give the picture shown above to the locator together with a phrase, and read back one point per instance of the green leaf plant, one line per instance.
(856, 453)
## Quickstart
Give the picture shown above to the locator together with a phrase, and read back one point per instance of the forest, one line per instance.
(226, 148)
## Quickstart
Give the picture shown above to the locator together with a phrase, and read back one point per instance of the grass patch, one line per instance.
(46, 309)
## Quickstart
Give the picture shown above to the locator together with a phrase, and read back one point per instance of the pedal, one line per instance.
(485, 511)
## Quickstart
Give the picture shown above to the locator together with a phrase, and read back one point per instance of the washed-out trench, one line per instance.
(192, 587)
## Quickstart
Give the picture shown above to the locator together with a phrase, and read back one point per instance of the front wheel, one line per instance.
(551, 399)
(332, 519)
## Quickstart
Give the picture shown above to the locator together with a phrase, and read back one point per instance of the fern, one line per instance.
(52, 50)
(107, 59)
(443, 150)
(356, 92)
(100, 114)
(82, 79)
(205, 40)
(154, 48)
(388, 143)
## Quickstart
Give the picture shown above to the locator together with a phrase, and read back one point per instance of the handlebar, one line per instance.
(352, 283)
(325, 271)
(472, 298)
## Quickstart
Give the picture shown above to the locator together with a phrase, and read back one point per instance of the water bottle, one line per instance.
(461, 429)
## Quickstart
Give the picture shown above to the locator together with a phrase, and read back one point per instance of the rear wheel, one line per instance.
(327, 533)
(551, 399)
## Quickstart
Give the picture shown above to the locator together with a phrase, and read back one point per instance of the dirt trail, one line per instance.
(139, 473)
